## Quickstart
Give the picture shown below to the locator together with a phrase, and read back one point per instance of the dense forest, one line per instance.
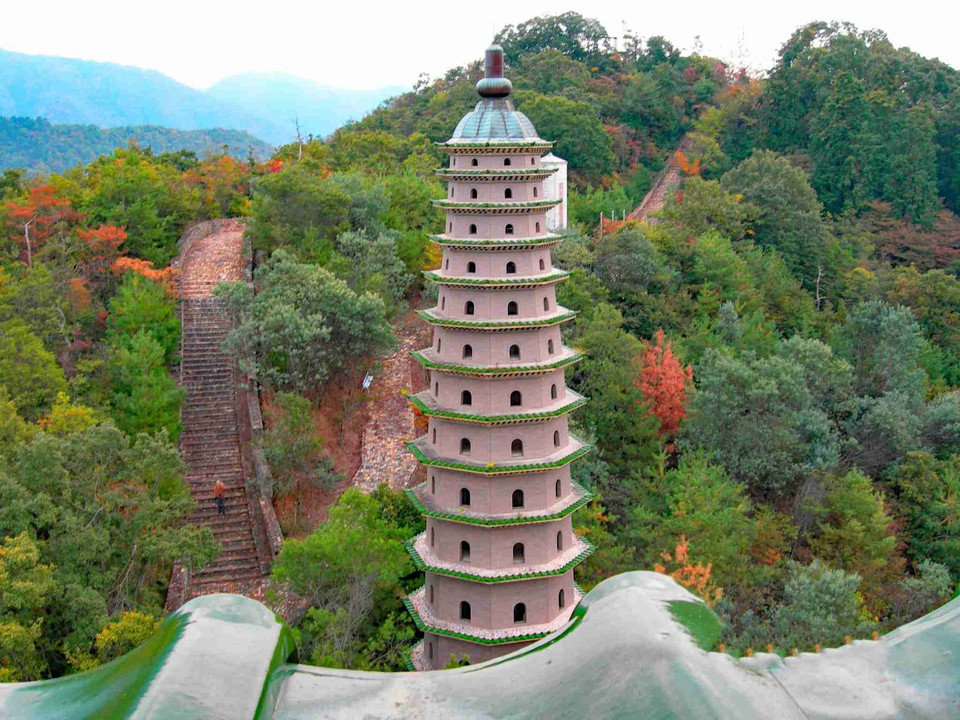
(772, 362)
(37, 145)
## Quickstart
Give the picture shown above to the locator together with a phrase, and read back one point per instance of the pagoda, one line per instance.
(499, 550)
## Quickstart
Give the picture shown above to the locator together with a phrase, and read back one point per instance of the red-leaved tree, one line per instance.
(665, 383)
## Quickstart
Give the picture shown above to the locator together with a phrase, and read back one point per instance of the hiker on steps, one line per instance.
(220, 495)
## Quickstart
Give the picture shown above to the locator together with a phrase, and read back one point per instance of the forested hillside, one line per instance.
(35, 144)
(772, 361)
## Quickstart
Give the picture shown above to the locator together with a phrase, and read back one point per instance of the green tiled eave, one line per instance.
(496, 324)
(424, 567)
(505, 419)
(554, 276)
(495, 173)
(496, 147)
(423, 627)
(498, 244)
(490, 371)
(586, 497)
(498, 468)
(468, 206)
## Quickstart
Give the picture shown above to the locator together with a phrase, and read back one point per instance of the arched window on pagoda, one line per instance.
(543, 265)
(534, 190)
(518, 553)
(453, 191)
(508, 194)
(439, 343)
(465, 610)
(550, 347)
(464, 446)
(513, 308)
(433, 484)
(516, 399)
(430, 649)
(468, 308)
(434, 436)
(473, 231)
(464, 551)
(436, 388)
(433, 537)
(538, 227)
(508, 229)
(519, 613)
(464, 496)
(473, 193)
(517, 498)
(516, 448)
(431, 594)
(467, 351)
(471, 267)
(506, 162)
(511, 268)
(561, 600)
(559, 539)
(466, 398)
(557, 488)
(443, 303)
(556, 438)
(474, 162)
(546, 305)
(553, 391)
(514, 352)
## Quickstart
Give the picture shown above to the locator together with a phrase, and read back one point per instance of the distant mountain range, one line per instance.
(38, 145)
(265, 105)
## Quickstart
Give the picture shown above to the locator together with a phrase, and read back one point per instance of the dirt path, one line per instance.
(384, 457)
(667, 181)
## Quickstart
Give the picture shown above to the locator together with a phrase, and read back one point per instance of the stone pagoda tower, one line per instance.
(499, 550)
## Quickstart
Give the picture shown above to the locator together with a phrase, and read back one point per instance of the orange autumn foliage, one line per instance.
(696, 578)
(44, 212)
(167, 277)
(688, 168)
(665, 383)
(78, 294)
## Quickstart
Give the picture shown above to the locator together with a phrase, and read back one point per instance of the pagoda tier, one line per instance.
(499, 549)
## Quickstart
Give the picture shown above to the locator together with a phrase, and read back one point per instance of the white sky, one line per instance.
(376, 43)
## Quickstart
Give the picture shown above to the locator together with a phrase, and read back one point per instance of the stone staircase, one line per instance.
(210, 443)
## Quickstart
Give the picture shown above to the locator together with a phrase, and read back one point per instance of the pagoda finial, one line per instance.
(494, 84)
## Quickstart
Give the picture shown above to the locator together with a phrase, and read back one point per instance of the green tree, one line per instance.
(882, 344)
(788, 212)
(928, 501)
(145, 397)
(853, 530)
(757, 417)
(821, 605)
(576, 130)
(303, 326)
(699, 502)
(627, 436)
(25, 587)
(345, 568)
(704, 205)
(142, 305)
(911, 183)
(28, 370)
(300, 210)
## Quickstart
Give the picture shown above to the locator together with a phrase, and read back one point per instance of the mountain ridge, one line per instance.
(74, 91)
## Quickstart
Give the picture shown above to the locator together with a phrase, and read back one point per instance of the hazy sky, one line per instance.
(371, 44)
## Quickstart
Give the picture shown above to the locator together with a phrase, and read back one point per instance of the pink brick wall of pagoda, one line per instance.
(494, 495)
(491, 606)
